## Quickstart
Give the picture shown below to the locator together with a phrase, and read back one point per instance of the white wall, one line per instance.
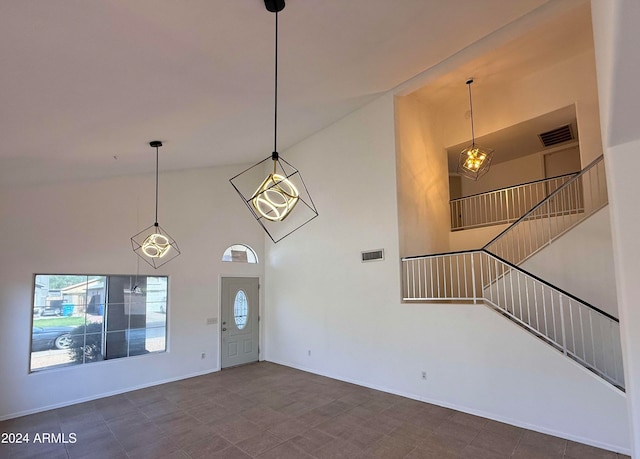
(588, 249)
(331, 314)
(84, 227)
(473, 239)
(622, 162)
(616, 37)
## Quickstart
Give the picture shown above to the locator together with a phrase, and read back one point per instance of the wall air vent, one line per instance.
(373, 255)
(557, 136)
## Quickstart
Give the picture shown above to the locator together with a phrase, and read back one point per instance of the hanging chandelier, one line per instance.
(474, 160)
(153, 244)
(275, 197)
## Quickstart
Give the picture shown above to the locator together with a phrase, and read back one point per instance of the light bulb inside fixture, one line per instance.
(156, 246)
(275, 198)
(474, 160)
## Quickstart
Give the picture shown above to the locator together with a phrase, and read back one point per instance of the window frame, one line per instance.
(227, 255)
(126, 305)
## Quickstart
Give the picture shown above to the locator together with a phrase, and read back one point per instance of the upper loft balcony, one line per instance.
(535, 158)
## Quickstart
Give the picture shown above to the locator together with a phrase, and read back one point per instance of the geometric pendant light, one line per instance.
(273, 189)
(474, 160)
(153, 244)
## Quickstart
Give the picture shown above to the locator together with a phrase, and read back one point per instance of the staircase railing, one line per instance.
(578, 198)
(501, 206)
(580, 331)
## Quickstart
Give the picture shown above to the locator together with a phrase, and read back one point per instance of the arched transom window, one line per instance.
(240, 253)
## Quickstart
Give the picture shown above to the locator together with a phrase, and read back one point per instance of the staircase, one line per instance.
(578, 198)
(492, 275)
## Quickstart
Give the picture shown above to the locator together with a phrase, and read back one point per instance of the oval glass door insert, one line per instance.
(240, 309)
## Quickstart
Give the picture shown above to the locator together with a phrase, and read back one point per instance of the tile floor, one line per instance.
(269, 411)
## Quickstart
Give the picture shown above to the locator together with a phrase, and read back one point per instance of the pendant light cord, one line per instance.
(275, 110)
(473, 137)
(156, 222)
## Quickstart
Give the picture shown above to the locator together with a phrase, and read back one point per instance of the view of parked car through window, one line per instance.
(81, 319)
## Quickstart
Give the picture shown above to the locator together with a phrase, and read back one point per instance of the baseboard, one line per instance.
(104, 394)
(464, 409)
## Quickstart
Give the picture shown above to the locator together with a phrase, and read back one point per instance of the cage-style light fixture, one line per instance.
(474, 160)
(273, 199)
(153, 244)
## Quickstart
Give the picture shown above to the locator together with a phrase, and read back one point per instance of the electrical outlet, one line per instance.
(203, 355)
(424, 375)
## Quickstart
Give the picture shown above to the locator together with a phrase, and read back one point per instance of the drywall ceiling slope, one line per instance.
(559, 39)
(87, 84)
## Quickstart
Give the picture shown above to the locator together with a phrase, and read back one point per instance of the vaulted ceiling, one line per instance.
(85, 85)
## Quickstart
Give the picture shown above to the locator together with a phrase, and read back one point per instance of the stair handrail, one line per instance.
(583, 332)
(498, 284)
(532, 182)
(518, 268)
(569, 342)
(544, 202)
(550, 285)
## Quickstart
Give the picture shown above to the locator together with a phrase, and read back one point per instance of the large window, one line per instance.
(84, 319)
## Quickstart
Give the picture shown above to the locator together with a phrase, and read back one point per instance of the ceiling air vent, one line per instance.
(373, 255)
(557, 136)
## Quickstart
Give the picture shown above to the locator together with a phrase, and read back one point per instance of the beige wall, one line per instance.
(510, 173)
(521, 170)
(427, 123)
(498, 104)
(422, 179)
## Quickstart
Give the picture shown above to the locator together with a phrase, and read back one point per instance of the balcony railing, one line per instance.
(580, 331)
(505, 205)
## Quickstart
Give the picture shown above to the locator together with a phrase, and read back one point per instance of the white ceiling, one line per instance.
(87, 82)
(566, 35)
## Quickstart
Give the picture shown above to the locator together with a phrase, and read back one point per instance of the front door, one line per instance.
(239, 327)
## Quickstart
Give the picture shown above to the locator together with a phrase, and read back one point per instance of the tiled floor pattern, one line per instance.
(270, 411)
